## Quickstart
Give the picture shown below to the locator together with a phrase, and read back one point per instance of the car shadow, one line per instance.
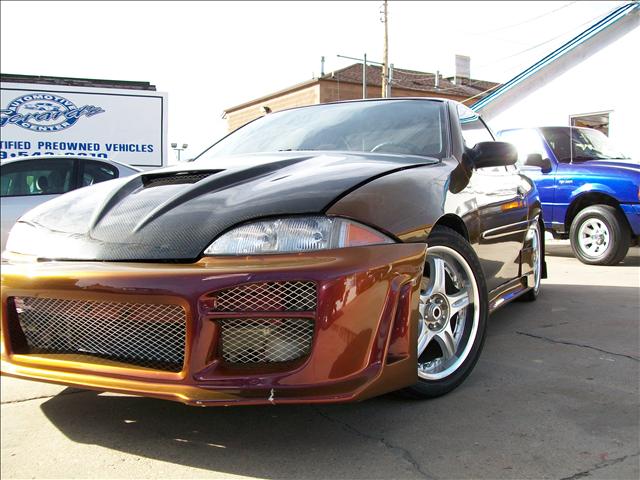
(377, 438)
(563, 249)
(286, 441)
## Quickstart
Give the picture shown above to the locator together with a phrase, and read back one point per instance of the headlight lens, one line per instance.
(23, 238)
(294, 234)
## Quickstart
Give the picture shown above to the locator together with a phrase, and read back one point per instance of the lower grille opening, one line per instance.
(265, 340)
(146, 335)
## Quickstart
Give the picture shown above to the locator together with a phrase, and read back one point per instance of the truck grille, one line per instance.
(265, 340)
(266, 297)
(147, 335)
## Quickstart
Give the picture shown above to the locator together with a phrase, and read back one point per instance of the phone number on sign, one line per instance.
(4, 155)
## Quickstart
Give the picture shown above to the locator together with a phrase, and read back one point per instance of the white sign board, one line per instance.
(129, 126)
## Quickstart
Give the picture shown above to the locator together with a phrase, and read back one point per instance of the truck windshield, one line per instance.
(409, 127)
(580, 144)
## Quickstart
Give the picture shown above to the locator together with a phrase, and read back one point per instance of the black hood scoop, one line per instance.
(175, 178)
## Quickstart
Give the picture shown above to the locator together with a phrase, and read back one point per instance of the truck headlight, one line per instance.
(294, 234)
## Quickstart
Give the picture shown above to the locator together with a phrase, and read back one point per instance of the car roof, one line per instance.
(73, 157)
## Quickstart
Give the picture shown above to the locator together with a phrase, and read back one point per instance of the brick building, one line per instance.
(346, 84)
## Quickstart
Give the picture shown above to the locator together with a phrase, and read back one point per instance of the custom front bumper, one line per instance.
(96, 325)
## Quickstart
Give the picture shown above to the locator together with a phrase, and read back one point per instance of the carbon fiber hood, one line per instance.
(175, 213)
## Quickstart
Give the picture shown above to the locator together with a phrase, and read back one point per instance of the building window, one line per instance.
(597, 121)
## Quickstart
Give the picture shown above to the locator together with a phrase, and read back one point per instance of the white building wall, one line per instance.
(608, 81)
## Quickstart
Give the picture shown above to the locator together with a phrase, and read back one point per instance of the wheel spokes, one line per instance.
(436, 276)
(457, 302)
(424, 339)
(447, 342)
(448, 319)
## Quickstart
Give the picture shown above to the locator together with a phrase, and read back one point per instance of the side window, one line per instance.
(526, 142)
(37, 177)
(96, 172)
(473, 128)
(475, 131)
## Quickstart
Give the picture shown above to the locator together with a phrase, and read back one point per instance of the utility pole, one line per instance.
(385, 60)
(364, 77)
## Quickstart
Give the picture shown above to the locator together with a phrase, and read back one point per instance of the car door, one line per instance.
(502, 210)
(529, 141)
(28, 183)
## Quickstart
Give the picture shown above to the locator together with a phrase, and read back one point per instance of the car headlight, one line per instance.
(23, 238)
(294, 234)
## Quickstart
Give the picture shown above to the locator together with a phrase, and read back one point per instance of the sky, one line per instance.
(209, 56)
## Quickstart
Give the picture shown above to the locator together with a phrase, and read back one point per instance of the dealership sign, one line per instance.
(124, 125)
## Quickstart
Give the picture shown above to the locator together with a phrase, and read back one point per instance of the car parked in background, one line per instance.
(28, 182)
(589, 190)
(327, 253)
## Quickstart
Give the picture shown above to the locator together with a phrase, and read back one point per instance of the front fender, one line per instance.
(592, 188)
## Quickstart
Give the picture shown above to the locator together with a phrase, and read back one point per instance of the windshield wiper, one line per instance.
(296, 149)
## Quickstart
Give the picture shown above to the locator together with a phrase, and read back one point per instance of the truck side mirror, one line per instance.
(493, 154)
(536, 160)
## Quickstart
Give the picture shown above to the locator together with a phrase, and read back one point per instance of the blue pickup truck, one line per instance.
(589, 190)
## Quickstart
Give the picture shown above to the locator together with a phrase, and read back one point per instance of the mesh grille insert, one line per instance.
(141, 334)
(174, 179)
(266, 297)
(265, 340)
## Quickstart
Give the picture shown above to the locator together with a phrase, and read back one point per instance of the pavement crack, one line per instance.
(599, 466)
(564, 342)
(404, 453)
(22, 400)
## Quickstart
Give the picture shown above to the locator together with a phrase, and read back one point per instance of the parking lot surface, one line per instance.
(554, 395)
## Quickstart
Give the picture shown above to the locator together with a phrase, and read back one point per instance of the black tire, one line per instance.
(618, 230)
(446, 237)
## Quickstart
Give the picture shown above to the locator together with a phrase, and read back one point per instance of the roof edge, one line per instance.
(605, 22)
(264, 98)
(75, 82)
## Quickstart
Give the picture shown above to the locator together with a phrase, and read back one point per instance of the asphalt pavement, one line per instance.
(556, 394)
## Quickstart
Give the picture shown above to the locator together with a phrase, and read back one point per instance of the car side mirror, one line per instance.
(536, 160)
(493, 154)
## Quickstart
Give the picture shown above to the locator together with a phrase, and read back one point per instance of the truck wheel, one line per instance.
(600, 235)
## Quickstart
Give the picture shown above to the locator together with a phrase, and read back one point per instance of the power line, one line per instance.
(533, 19)
(526, 50)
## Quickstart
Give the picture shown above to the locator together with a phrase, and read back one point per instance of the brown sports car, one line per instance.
(322, 254)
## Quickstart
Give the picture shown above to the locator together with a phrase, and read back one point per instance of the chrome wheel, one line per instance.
(534, 237)
(449, 313)
(594, 237)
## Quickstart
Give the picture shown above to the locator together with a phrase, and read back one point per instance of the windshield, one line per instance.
(413, 127)
(586, 144)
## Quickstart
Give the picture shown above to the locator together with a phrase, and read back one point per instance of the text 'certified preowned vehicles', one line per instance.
(321, 254)
(28, 182)
(590, 192)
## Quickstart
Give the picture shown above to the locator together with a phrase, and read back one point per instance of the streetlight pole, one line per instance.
(174, 146)
(385, 61)
(364, 71)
